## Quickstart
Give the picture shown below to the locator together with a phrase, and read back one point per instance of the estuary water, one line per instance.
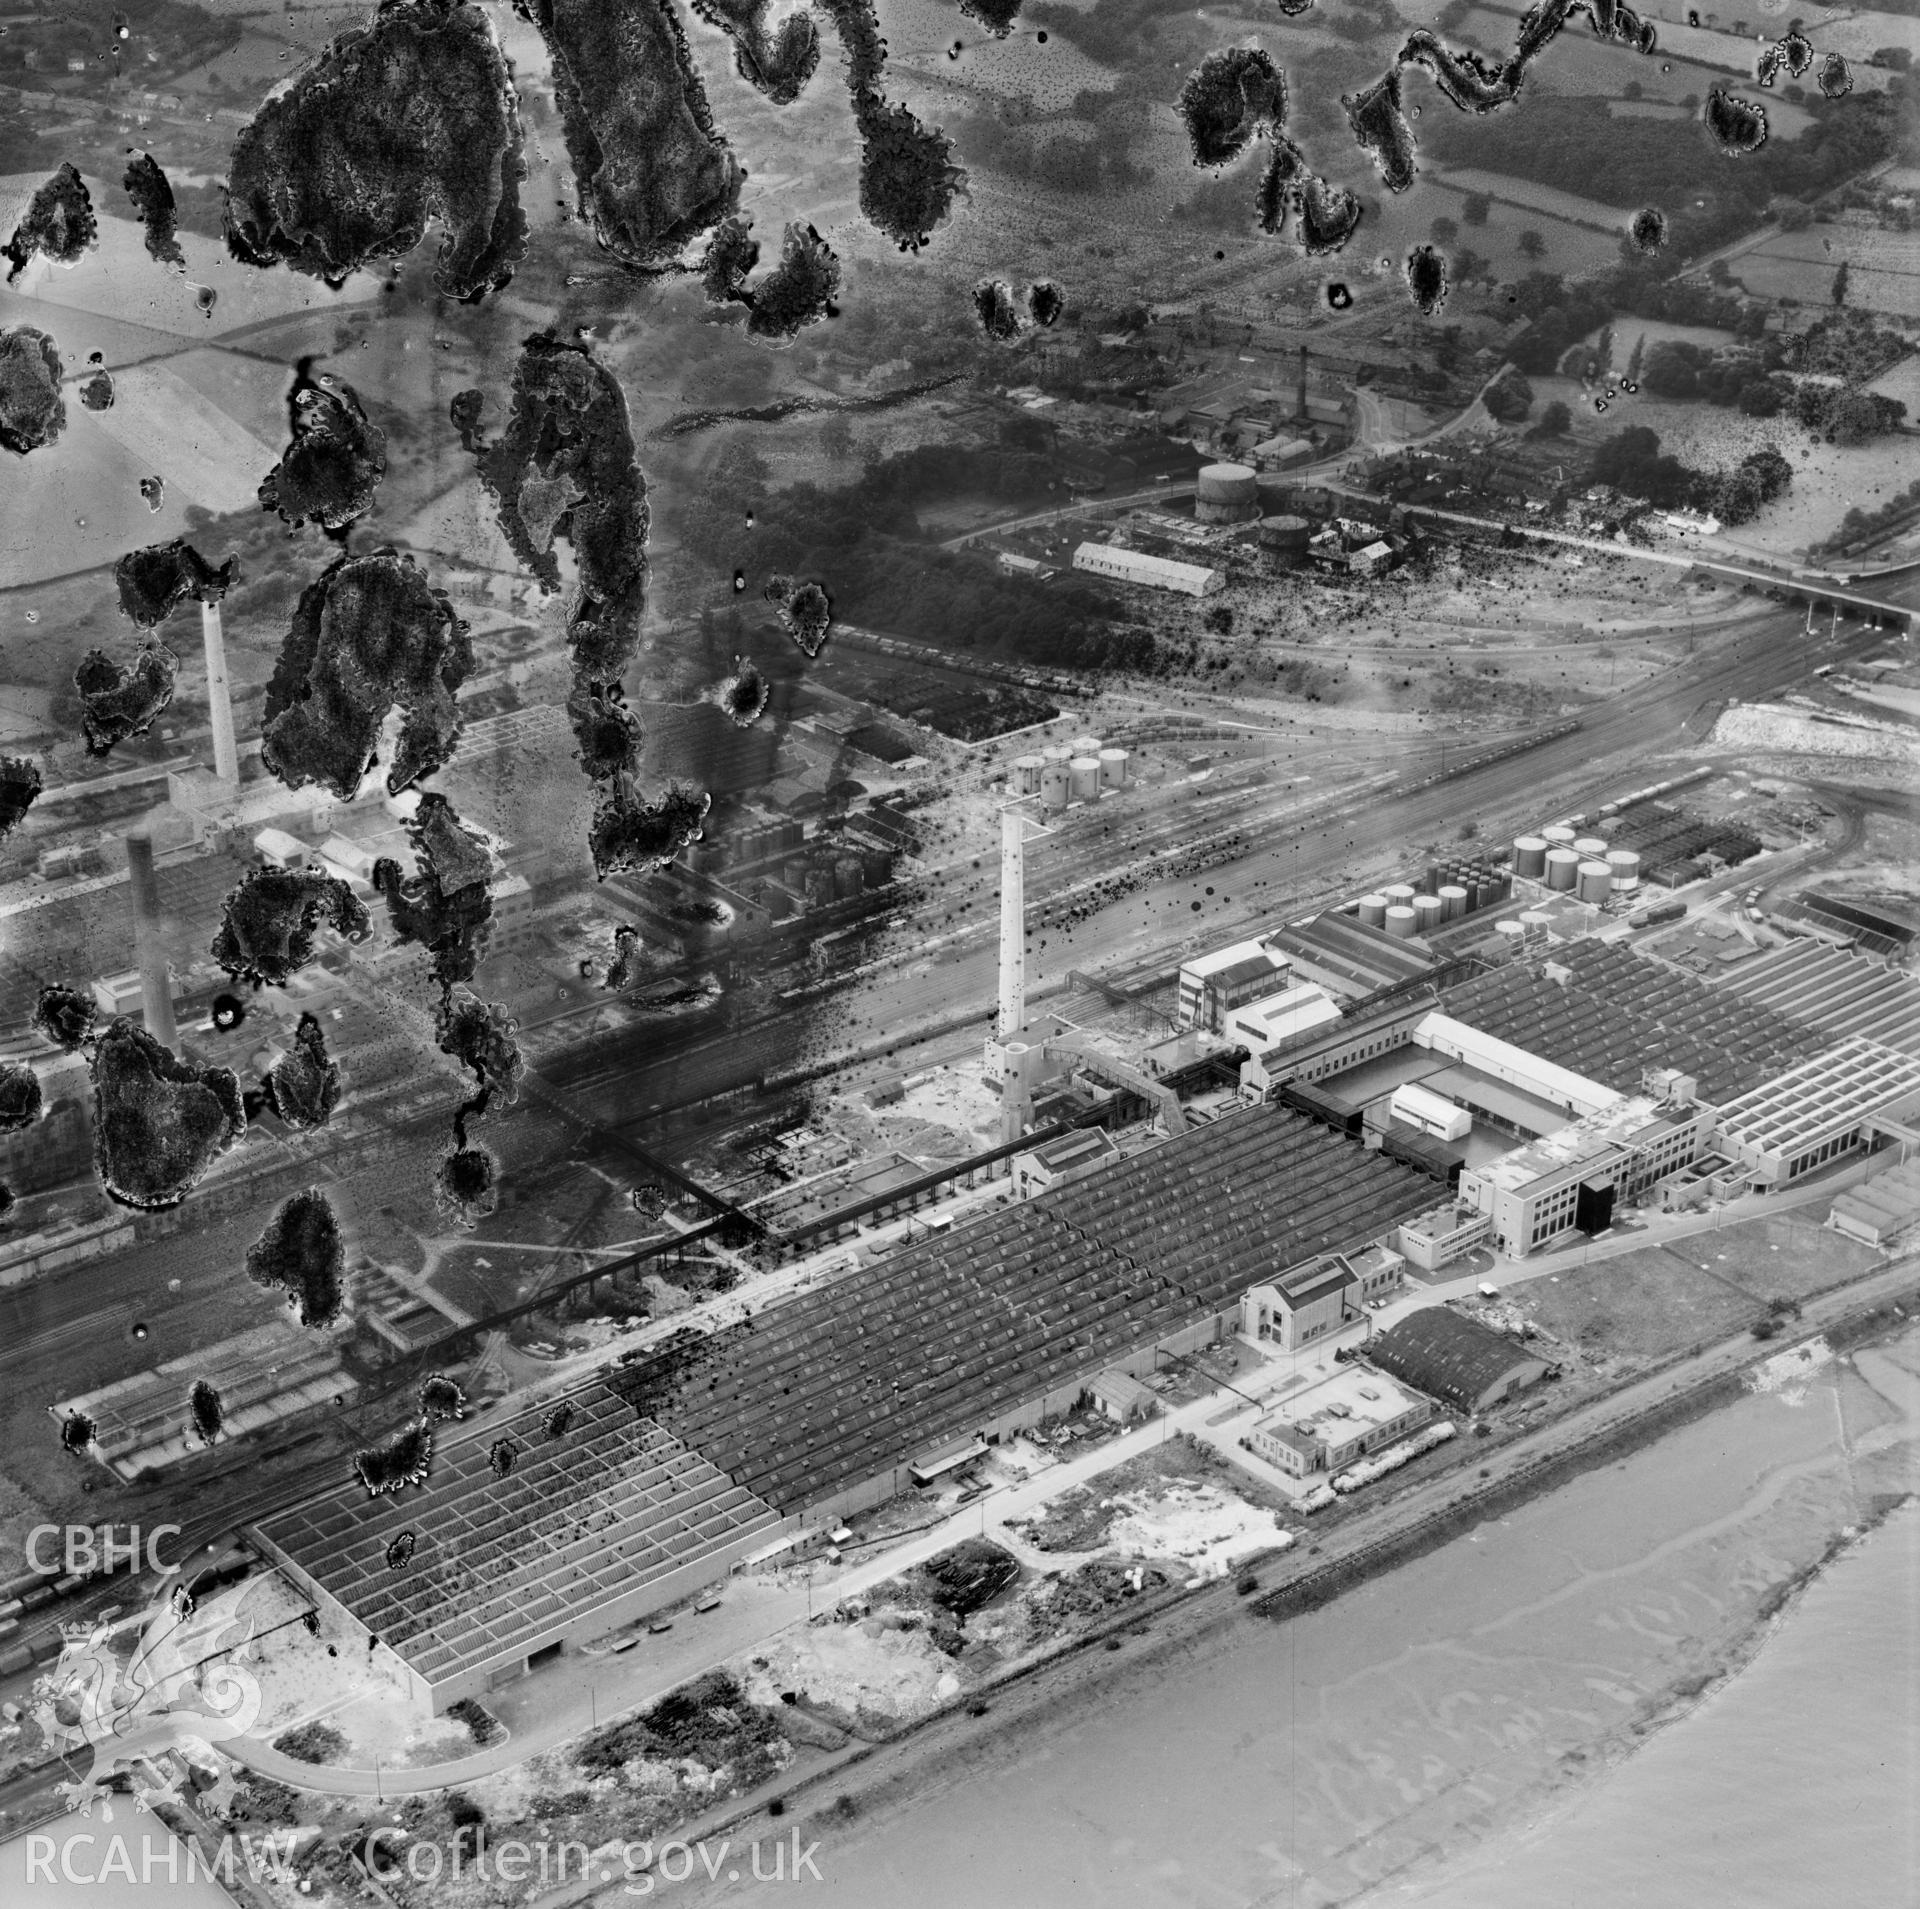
(1797, 1783)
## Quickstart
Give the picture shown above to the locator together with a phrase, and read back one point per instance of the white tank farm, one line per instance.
(1056, 783)
(1509, 937)
(1085, 774)
(1399, 895)
(1454, 901)
(1563, 868)
(1625, 863)
(1559, 836)
(1026, 774)
(1536, 922)
(1595, 881)
(1085, 745)
(1530, 856)
(1373, 910)
(1113, 768)
(1593, 847)
(1399, 922)
(1056, 752)
(1426, 913)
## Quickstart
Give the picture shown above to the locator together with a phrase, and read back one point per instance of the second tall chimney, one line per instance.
(156, 985)
(226, 756)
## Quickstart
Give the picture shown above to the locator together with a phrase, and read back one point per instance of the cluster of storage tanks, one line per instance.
(1075, 771)
(1579, 865)
(1454, 888)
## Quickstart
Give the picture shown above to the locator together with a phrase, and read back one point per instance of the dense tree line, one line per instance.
(1577, 146)
(1632, 461)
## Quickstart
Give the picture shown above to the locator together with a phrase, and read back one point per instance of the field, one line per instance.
(170, 428)
(920, 34)
(252, 391)
(76, 333)
(1663, 1299)
(1404, 222)
(1566, 205)
(1576, 62)
(1883, 276)
(116, 279)
(1643, 1306)
(83, 505)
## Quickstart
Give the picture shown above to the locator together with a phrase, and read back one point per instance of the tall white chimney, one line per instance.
(226, 756)
(1013, 925)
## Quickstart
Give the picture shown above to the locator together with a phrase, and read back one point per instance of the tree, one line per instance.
(1509, 398)
(1475, 207)
(1840, 284)
(1532, 243)
(1633, 359)
(1556, 420)
(1444, 230)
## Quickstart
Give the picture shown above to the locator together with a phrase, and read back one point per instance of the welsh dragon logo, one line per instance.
(179, 1686)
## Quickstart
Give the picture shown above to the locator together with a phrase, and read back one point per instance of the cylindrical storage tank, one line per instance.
(1287, 537)
(1489, 889)
(1593, 847)
(1559, 836)
(1426, 913)
(1536, 922)
(1085, 773)
(1399, 922)
(1626, 884)
(1509, 937)
(794, 874)
(1625, 864)
(878, 866)
(1226, 494)
(1530, 856)
(1056, 782)
(1026, 774)
(1453, 902)
(1399, 895)
(1113, 768)
(1563, 868)
(1596, 881)
(1056, 752)
(849, 877)
(1373, 910)
(1085, 745)
(819, 887)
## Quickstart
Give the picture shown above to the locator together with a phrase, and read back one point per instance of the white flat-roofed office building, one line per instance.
(1213, 984)
(1329, 1425)
(1816, 1112)
(1138, 566)
(1571, 1181)
(1296, 1010)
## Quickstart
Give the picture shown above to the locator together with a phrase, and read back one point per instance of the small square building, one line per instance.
(1324, 1428)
